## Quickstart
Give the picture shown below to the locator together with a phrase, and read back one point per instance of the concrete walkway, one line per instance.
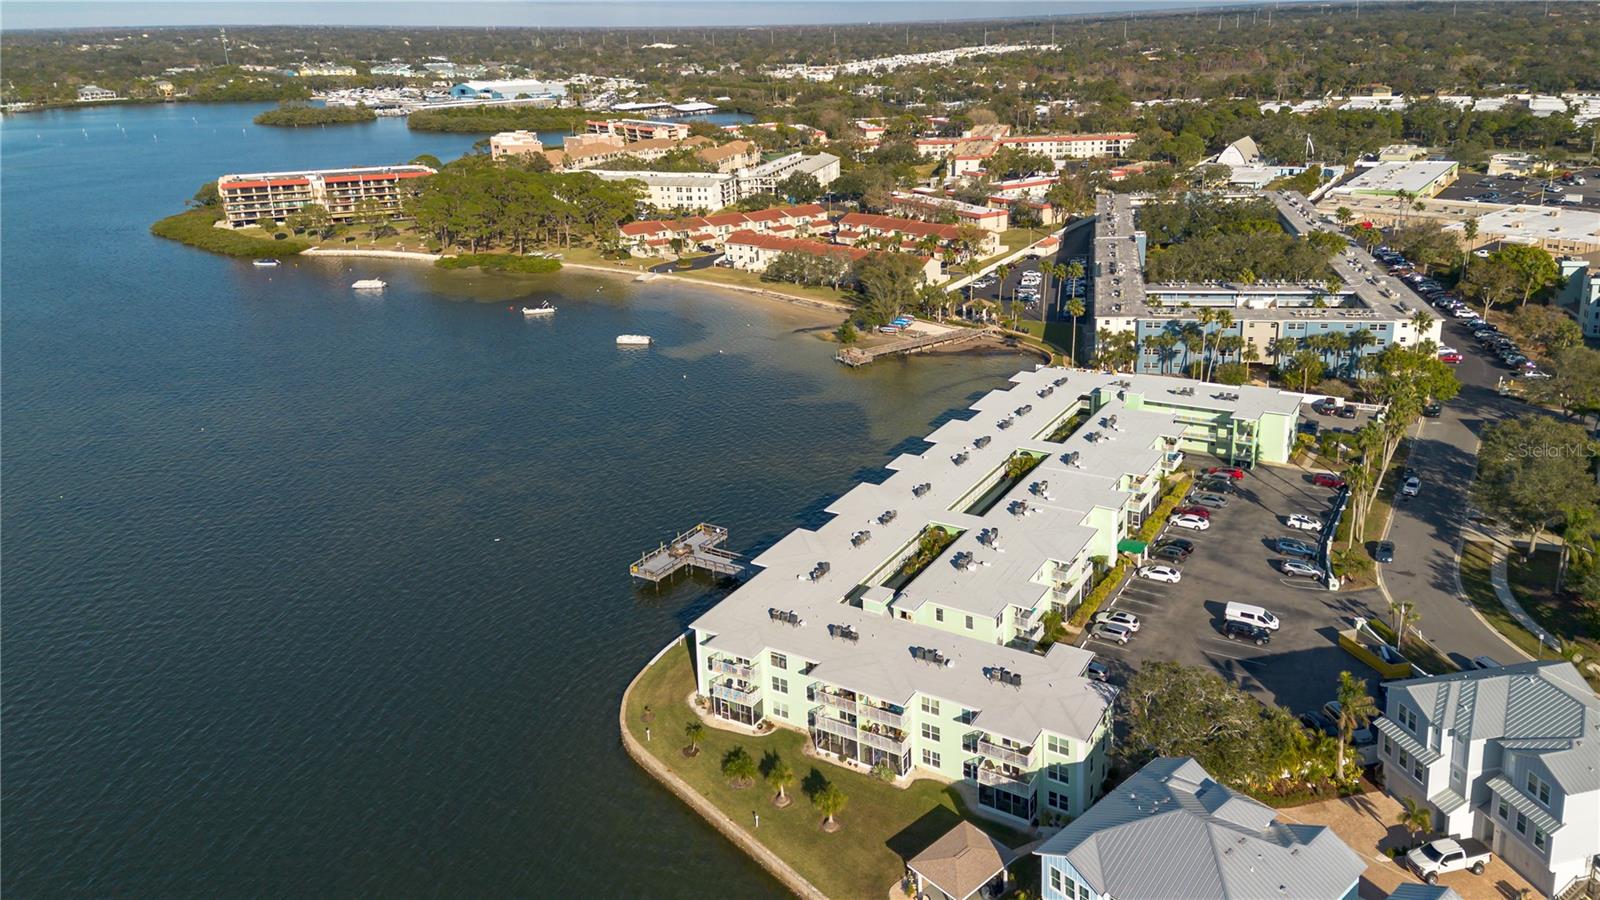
(1498, 575)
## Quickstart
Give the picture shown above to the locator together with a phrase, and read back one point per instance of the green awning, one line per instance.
(1129, 545)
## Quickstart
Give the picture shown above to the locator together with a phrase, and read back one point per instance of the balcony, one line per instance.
(999, 778)
(735, 693)
(889, 740)
(881, 716)
(729, 667)
(825, 723)
(828, 698)
(1009, 755)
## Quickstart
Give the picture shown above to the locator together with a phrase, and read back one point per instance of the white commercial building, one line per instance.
(1510, 756)
(1418, 179)
(1556, 229)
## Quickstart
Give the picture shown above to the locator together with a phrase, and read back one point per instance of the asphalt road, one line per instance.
(1427, 530)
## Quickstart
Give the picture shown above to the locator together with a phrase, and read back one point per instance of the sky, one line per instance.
(598, 13)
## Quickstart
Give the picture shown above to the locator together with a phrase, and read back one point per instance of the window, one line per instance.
(779, 661)
(1538, 838)
(1408, 718)
(1388, 748)
(967, 715)
(930, 759)
(780, 710)
(969, 623)
(969, 742)
(938, 614)
(930, 732)
(1419, 772)
(1058, 745)
(1055, 879)
(930, 706)
(781, 685)
(1404, 760)
(1522, 824)
(1058, 772)
(1504, 810)
(1058, 801)
(1539, 788)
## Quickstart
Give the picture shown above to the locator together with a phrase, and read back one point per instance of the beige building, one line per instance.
(752, 252)
(247, 199)
(1556, 229)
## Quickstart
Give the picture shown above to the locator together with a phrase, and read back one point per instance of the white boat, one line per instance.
(370, 284)
(633, 340)
(543, 309)
(264, 263)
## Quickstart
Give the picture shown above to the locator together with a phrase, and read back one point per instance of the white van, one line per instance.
(1254, 615)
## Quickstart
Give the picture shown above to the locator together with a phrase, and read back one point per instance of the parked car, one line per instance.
(1169, 553)
(1233, 472)
(1160, 573)
(1412, 487)
(1195, 510)
(1453, 359)
(1214, 501)
(1217, 485)
(1292, 547)
(1108, 631)
(1125, 619)
(1346, 412)
(1184, 544)
(1325, 406)
(1250, 614)
(1383, 551)
(1097, 670)
(1448, 855)
(1433, 410)
(1294, 568)
(1303, 522)
(1327, 480)
(1244, 631)
(1193, 523)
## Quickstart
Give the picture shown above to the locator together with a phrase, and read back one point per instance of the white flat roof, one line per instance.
(1010, 570)
(1389, 177)
(1531, 224)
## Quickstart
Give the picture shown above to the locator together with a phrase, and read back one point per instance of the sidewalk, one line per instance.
(1502, 590)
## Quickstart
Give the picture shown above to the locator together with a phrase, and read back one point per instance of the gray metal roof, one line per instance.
(1415, 891)
(1543, 710)
(1171, 831)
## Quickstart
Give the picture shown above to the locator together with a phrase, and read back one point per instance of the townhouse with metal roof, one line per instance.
(1171, 831)
(1510, 756)
(901, 633)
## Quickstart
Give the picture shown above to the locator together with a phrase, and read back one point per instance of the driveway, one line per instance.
(1232, 561)
(1367, 824)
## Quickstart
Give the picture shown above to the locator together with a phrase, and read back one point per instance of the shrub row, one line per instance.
(1169, 502)
(197, 229)
(501, 262)
(1102, 590)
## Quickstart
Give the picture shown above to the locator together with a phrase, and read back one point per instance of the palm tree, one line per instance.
(1344, 216)
(1356, 709)
(1404, 616)
(694, 731)
(739, 768)
(1004, 271)
(1415, 818)
(780, 776)
(1075, 309)
(1075, 272)
(830, 802)
(1359, 340)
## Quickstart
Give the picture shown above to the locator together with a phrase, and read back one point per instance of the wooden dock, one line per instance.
(856, 356)
(698, 548)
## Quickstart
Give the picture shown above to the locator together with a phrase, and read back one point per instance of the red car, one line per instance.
(1233, 472)
(1200, 511)
(1327, 480)
(1451, 358)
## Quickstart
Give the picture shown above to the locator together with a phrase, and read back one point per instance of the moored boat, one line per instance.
(542, 310)
(370, 284)
(633, 340)
(264, 263)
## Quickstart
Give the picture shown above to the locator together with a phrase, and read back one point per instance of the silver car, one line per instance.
(1210, 501)
(1292, 547)
(1110, 631)
(1294, 568)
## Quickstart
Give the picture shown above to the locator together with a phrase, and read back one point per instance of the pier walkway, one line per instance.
(857, 356)
(700, 547)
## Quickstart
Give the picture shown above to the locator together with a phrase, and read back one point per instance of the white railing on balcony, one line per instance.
(834, 726)
(1001, 779)
(1006, 754)
(745, 695)
(837, 702)
(883, 741)
(729, 667)
(881, 716)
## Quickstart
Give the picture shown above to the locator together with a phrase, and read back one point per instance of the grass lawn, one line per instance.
(882, 825)
(1416, 649)
(1565, 614)
(1476, 558)
(1055, 336)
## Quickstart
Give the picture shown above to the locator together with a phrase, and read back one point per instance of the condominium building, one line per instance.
(929, 206)
(897, 633)
(1581, 292)
(638, 129)
(1172, 831)
(1366, 306)
(731, 156)
(764, 178)
(344, 193)
(968, 154)
(859, 227)
(1510, 756)
(654, 237)
(752, 251)
(690, 191)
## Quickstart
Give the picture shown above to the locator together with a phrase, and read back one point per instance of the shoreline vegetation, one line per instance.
(197, 228)
(294, 115)
(491, 119)
(500, 262)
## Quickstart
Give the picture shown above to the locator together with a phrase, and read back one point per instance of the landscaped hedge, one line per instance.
(501, 262)
(1102, 590)
(1151, 526)
(197, 228)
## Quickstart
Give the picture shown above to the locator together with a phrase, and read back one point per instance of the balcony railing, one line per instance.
(729, 667)
(844, 704)
(745, 695)
(885, 742)
(881, 716)
(995, 777)
(834, 726)
(1015, 757)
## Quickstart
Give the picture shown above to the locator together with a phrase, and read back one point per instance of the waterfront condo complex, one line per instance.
(344, 193)
(902, 632)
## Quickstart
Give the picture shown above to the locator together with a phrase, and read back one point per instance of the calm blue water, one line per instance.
(310, 594)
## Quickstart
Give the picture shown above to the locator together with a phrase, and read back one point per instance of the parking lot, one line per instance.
(1510, 189)
(1023, 287)
(1233, 560)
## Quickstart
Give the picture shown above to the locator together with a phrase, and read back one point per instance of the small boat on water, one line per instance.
(264, 263)
(633, 340)
(542, 310)
(370, 284)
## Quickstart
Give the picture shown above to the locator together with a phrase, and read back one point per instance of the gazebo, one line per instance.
(960, 864)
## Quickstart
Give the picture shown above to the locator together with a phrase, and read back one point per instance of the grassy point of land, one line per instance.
(196, 228)
(883, 825)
